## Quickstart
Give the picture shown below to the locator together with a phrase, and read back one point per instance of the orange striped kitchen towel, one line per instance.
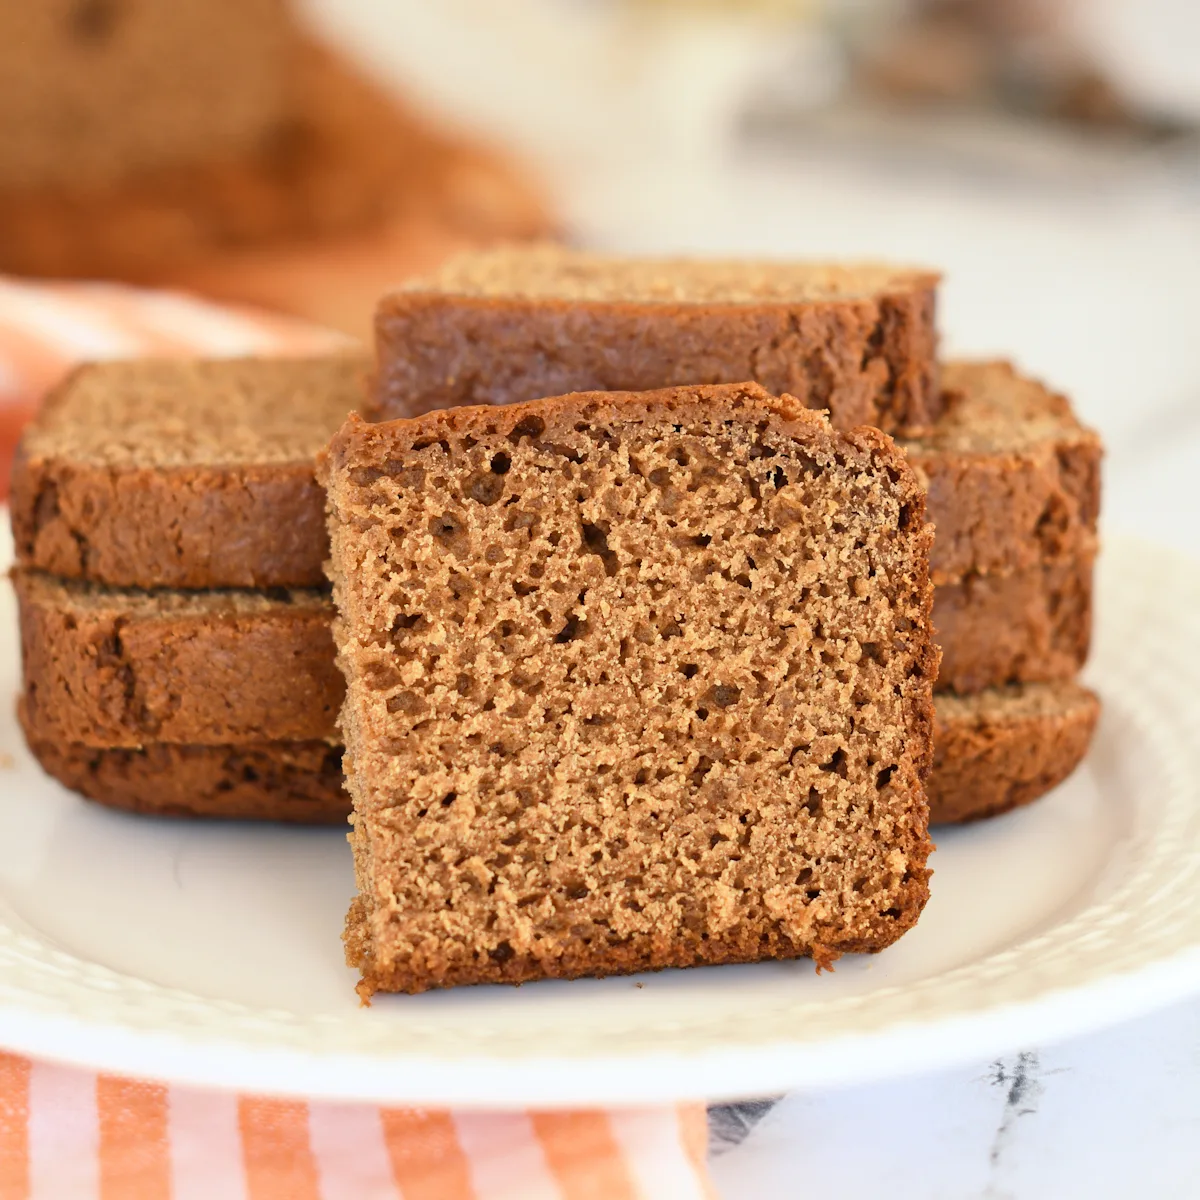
(68, 1134)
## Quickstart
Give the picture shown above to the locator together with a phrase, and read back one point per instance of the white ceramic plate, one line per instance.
(210, 954)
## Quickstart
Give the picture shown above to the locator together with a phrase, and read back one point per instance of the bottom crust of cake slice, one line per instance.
(293, 782)
(624, 956)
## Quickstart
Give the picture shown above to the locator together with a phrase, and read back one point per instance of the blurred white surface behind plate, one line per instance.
(210, 954)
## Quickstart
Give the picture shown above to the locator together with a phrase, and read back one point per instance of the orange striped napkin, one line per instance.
(69, 1134)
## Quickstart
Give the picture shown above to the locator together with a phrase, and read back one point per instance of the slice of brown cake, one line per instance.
(634, 681)
(516, 323)
(296, 782)
(1005, 747)
(187, 474)
(1032, 626)
(106, 668)
(1013, 477)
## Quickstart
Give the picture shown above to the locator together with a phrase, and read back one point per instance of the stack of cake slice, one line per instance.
(170, 532)
(174, 612)
(1013, 483)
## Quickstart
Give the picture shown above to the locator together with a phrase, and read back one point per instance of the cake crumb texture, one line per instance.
(634, 681)
(128, 667)
(994, 750)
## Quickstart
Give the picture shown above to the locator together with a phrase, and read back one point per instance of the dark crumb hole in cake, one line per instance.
(93, 22)
(665, 695)
(486, 488)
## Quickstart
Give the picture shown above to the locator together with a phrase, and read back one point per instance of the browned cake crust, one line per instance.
(514, 324)
(1026, 627)
(1013, 478)
(191, 474)
(295, 782)
(1006, 747)
(634, 681)
(110, 668)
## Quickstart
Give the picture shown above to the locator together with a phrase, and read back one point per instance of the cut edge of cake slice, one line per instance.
(289, 782)
(110, 667)
(1013, 476)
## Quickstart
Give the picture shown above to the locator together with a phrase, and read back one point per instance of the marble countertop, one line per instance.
(1109, 1116)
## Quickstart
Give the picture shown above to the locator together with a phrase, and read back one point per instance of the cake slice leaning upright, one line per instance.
(635, 680)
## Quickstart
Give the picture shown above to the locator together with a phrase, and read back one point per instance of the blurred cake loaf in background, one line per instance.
(93, 92)
(216, 145)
